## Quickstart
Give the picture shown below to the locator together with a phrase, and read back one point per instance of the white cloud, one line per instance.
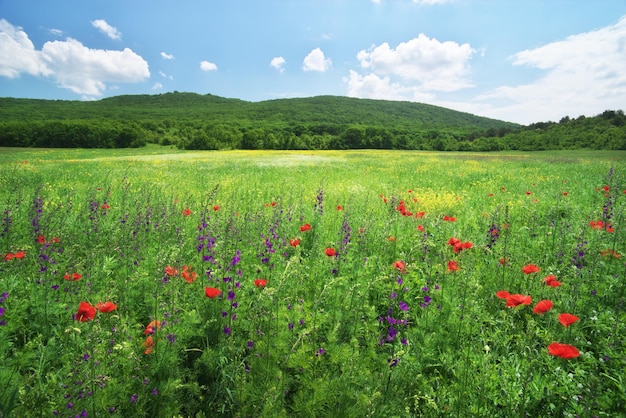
(166, 56)
(584, 74)
(18, 54)
(157, 86)
(56, 32)
(433, 65)
(107, 29)
(85, 71)
(162, 74)
(316, 61)
(69, 63)
(208, 66)
(278, 62)
(372, 86)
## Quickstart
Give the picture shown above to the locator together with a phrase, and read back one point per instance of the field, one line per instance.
(163, 283)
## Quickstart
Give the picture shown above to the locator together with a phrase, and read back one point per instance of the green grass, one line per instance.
(348, 335)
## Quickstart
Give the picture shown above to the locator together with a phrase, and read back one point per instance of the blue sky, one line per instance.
(517, 60)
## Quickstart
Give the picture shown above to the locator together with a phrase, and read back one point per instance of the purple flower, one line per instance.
(320, 352)
(403, 306)
(133, 398)
(227, 331)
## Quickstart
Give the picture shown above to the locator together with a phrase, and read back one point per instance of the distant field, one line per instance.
(157, 282)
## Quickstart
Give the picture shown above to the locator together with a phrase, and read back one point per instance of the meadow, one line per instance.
(156, 282)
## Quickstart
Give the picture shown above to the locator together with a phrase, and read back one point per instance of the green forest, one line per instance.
(208, 122)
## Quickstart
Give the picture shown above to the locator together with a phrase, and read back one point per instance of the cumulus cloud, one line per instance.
(18, 54)
(434, 65)
(372, 86)
(166, 56)
(316, 61)
(85, 71)
(278, 62)
(68, 63)
(107, 29)
(208, 66)
(157, 86)
(583, 74)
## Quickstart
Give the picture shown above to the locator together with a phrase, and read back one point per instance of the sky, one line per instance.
(522, 61)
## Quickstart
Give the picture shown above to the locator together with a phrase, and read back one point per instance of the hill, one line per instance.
(194, 121)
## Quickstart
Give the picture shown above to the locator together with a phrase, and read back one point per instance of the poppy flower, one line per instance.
(305, 227)
(503, 294)
(330, 252)
(106, 306)
(20, 254)
(563, 350)
(260, 282)
(211, 292)
(453, 266)
(152, 327)
(447, 218)
(420, 214)
(86, 312)
(339, 207)
(188, 275)
(503, 261)
(542, 306)
(399, 265)
(552, 281)
(517, 299)
(597, 225)
(420, 228)
(294, 242)
(216, 208)
(8, 257)
(530, 268)
(186, 212)
(604, 253)
(567, 319)
(171, 271)
(41, 239)
(73, 277)
(105, 206)
(148, 345)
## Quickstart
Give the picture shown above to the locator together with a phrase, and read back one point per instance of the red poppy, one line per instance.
(186, 212)
(503, 261)
(447, 218)
(420, 214)
(330, 252)
(567, 319)
(542, 306)
(604, 253)
(339, 207)
(392, 239)
(528, 192)
(86, 312)
(294, 242)
(171, 271)
(503, 294)
(105, 206)
(453, 266)
(188, 275)
(216, 208)
(552, 281)
(8, 257)
(152, 327)
(420, 228)
(106, 306)
(517, 299)
(530, 268)
(41, 239)
(260, 282)
(399, 265)
(20, 254)
(597, 225)
(305, 227)
(149, 345)
(211, 292)
(73, 277)
(55, 240)
(563, 350)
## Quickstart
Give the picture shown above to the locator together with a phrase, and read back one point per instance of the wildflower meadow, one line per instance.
(165, 283)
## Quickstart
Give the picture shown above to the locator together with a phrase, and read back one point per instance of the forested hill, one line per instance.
(194, 121)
